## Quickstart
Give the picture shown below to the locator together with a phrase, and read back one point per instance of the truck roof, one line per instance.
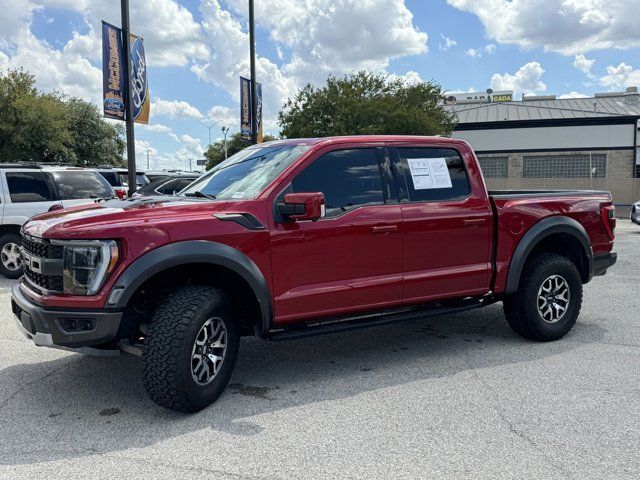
(362, 138)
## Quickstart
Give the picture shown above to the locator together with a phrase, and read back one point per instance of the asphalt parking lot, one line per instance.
(456, 397)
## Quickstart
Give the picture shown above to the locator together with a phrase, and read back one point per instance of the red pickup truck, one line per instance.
(301, 237)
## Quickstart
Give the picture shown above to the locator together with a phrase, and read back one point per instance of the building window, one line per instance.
(565, 166)
(494, 167)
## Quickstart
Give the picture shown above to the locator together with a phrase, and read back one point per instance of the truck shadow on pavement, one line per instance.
(76, 406)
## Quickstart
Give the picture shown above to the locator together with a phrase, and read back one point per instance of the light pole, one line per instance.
(209, 126)
(252, 53)
(126, 53)
(225, 130)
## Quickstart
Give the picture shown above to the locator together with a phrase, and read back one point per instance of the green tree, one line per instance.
(215, 152)
(95, 141)
(48, 127)
(366, 104)
(33, 126)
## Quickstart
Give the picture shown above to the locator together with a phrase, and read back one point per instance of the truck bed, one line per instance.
(543, 193)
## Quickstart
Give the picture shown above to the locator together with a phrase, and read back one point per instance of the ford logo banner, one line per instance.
(114, 104)
(139, 86)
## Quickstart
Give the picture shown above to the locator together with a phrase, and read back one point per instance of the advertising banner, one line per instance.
(245, 109)
(112, 72)
(246, 115)
(113, 80)
(139, 84)
(259, 111)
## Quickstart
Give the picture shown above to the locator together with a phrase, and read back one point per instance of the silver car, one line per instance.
(635, 213)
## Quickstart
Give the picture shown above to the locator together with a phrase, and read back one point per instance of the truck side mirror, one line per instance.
(302, 206)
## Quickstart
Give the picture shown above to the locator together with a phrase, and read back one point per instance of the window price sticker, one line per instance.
(429, 173)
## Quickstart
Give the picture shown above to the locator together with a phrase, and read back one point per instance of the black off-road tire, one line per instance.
(521, 308)
(8, 239)
(167, 352)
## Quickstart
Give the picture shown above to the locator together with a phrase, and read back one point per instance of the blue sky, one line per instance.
(197, 49)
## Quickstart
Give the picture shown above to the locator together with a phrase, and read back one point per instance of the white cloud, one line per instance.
(410, 78)
(473, 53)
(490, 48)
(447, 43)
(160, 129)
(339, 35)
(566, 26)
(224, 116)
(620, 77)
(63, 70)
(172, 36)
(528, 79)
(583, 64)
(174, 109)
(573, 95)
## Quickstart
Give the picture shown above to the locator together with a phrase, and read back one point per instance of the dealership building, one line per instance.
(544, 137)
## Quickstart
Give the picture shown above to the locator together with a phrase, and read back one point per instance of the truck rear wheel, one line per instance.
(191, 349)
(548, 300)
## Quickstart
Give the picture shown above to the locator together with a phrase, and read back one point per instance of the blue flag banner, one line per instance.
(259, 110)
(139, 84)
(245, 109)
(112, 72)
(246, 115)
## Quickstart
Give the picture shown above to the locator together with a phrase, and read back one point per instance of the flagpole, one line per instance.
(126, 54)
(252, 53)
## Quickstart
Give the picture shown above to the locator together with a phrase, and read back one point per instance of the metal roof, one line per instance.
(546, 108)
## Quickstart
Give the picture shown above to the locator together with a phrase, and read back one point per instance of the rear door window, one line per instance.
(76, 185)
(431, 174)
(28, 187)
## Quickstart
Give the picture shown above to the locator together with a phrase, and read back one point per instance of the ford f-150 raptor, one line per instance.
(300, 237)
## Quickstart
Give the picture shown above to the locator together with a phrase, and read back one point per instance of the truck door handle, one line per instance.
(474, 222)
(384, 228)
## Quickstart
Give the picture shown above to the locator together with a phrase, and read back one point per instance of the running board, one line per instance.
(343, 324)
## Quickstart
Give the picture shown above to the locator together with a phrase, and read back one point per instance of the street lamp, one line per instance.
(209, 126)
(225, 130)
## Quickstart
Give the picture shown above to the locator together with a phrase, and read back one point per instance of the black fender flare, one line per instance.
(537, 233)
(194, 251)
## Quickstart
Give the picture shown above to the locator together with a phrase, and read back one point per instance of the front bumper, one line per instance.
(74, 329)
(602, 262)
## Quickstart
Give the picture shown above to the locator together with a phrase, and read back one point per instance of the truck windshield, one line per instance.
(247, 173)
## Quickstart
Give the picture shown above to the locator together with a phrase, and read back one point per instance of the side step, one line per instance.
(343, 324)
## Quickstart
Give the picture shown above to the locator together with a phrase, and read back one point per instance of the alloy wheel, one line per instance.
(208, 351)
(553, 298)
(10, 257)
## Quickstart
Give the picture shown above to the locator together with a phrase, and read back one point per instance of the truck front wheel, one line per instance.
(190, 349)
(548, 300)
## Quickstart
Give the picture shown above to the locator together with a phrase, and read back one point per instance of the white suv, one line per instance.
(29, 189)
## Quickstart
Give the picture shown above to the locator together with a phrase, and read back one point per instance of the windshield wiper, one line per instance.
(200, 194)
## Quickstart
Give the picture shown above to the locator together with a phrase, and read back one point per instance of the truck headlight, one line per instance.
(87, 264)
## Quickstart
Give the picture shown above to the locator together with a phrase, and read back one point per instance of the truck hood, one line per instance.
(98, 220)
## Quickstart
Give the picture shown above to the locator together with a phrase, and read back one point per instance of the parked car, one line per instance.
(301, 237)
(635, 213)
(118, 178)
(166, 185)
(160, 174)
(30, 189)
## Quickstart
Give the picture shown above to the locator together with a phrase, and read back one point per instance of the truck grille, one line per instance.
(40, 249)
(48, 279)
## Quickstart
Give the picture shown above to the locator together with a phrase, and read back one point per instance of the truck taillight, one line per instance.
(608, 215)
